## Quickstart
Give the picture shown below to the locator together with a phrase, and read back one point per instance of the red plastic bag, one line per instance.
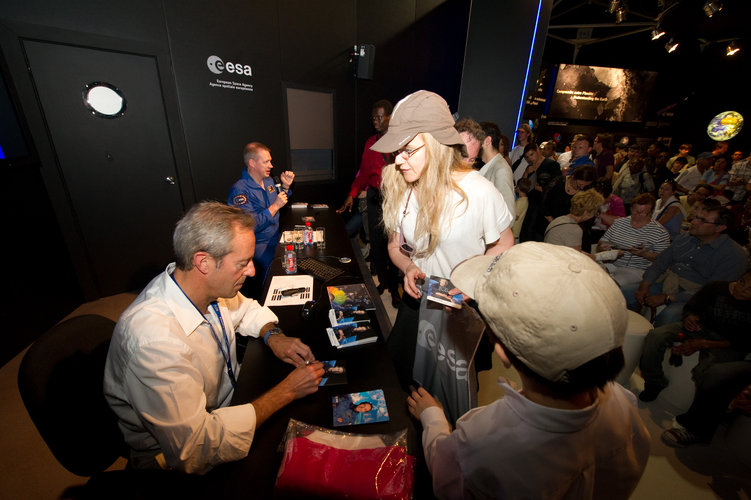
(325, 463)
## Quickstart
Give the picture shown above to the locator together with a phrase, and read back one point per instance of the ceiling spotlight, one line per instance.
(671, 46)
(657, 33)
(620, 15)
(732, 48)
(613, 6)
(712, 7)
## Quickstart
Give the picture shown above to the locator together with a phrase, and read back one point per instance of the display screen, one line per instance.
(596, 93)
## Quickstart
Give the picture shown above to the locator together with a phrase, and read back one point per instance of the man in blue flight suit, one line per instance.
(256, 194)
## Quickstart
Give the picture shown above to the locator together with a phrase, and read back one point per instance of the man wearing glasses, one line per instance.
(695, 258)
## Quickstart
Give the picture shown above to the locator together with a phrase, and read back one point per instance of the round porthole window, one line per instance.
(104, 100)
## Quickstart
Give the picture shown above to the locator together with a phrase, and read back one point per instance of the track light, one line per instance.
(712, 7)
(732, 48)
(620, 15)
(657, 33)
(671, 46)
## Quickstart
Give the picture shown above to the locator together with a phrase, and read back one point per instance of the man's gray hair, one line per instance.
(208, 227)
(251, 150)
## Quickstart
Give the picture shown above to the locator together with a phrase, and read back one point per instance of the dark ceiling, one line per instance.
(694, 83)
(629, 44)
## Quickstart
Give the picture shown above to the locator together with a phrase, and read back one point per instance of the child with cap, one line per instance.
(570, 432)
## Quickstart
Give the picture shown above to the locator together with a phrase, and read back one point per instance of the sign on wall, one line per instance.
(231, 75)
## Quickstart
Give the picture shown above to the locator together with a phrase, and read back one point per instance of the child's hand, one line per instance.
(420, 400)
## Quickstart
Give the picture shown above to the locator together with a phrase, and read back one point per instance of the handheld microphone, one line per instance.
(277, 184)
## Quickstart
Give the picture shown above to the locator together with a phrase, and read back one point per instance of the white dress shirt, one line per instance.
(167, 380)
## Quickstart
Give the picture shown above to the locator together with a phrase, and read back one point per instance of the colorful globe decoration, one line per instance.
(725, 126)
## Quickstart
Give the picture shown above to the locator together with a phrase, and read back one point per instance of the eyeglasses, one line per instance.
(705, 221)
(409, 152)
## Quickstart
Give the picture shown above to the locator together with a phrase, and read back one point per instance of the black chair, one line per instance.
(60, 380)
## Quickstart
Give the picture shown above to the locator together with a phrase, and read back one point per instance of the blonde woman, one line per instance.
(437, 212)
(565, 230)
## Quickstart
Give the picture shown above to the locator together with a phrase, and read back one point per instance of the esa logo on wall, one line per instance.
(218, 66)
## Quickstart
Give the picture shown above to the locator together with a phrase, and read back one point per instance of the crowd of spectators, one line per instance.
(665, 226)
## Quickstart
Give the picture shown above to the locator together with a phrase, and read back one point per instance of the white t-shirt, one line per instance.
(468, 226)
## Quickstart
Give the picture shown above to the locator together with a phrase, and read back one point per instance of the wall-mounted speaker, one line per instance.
(365, 56)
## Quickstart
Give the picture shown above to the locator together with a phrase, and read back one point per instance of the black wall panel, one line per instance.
(219, 121)
(498, 51)
(419, 44)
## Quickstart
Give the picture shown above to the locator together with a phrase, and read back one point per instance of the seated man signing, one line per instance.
(571, 432)
(171, 366)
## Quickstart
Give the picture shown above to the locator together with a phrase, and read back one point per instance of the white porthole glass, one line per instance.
(104, 100)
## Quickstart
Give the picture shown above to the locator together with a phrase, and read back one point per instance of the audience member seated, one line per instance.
(679, 165)
(518, 162)
(661, 172)
(564, 159)
(569, 432)
(631, 153)
(716, 322)
(695, 258)
(602, 150)
(556, 201)
(611, 210)
(696, 196)
(522, 202)
(718, 176)
(540, 171)
(580, 151)
(720, 148)
(740, 177)
(668, 210)
(620, 155)
(638, 240)
(684, 152)
(633, 179)
(692, 176)
(547, 149)
(171, 365)
(565, 230)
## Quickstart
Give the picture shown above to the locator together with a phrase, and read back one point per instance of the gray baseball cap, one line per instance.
(553, 307)
(422, 111)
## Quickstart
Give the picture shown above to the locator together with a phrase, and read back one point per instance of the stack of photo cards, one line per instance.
(352, 334)
(350, 297)
(360, 408)
(348, 314)
(438, 291)
(334, 372)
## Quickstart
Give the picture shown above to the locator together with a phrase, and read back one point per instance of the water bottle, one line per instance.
(290, 260)
(307, 234)
(677, 359)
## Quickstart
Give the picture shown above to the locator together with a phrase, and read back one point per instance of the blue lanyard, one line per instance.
(226, 355)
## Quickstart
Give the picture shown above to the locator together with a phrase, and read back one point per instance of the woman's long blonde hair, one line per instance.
(432, 190)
